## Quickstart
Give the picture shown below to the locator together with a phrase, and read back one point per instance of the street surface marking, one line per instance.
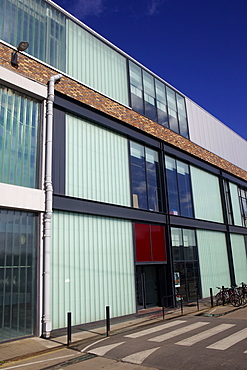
(92, 344)
(101, 351)
(155, 329)
(205, 334)
(229, 341)
(174, 333)
(37, 362)
(139, 357)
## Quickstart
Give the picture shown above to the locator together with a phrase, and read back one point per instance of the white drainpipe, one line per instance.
(46, 319)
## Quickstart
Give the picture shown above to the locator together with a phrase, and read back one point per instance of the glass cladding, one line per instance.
(96, 64)
(145, 177)
(178, 187)
(97, 163)
(206, 195)
(155, 100)
(38, 23)
(19, 138)
(18, 246)
(239, 258)
(213, 260)
(92, 266)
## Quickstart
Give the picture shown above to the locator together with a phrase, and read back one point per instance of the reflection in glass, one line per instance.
(172, 185)
(184, 189)
(178, 187)
(138, 172)
(152, 168)
(145, 177)
(149, 96)
(162, 116)
(136, 88)
(157, 101)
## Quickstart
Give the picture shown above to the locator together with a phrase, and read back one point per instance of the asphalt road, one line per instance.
(189, 342)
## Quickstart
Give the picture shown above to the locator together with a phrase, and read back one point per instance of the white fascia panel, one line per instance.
(19, 197)
(21, 83)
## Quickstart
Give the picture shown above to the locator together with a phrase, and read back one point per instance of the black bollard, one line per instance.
(211, 297)
(107, 321)
(68, 328)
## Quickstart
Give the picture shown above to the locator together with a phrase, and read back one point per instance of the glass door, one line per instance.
(146, 286)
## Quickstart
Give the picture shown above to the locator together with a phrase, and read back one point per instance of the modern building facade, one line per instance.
(113, 190)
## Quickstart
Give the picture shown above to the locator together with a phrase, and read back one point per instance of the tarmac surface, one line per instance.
(26, 348)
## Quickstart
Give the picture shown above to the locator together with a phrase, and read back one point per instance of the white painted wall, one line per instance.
(19, 197)
(211, 134)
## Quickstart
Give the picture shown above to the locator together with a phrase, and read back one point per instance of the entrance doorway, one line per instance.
(148, 286)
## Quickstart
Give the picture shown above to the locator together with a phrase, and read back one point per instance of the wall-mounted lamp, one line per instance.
(23, 45)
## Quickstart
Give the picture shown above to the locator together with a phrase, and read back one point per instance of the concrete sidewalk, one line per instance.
(25, 348)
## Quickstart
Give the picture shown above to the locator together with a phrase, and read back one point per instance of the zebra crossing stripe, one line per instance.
(205, 334)
(101, 351)
(229, 341)
(176, 332)
(139, 357)
(155, 329)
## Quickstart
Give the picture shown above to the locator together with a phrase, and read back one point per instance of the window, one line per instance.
(155, 100)
(136, 88)
(243, 205)
(178, 187)
(229, 211)
(145, 177)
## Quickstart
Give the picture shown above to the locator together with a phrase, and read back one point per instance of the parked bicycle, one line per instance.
(243, 292)
(229, 295)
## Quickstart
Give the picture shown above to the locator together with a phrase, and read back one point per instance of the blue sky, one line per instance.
(198, 46)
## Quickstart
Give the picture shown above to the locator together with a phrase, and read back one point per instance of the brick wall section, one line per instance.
(39, 72)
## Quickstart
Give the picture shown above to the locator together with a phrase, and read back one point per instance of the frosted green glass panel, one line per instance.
(92, 267)
(235, 204)
(206, 195)
(239, 258)
(97, 163)
(213, 261)
(96, 64)
(19, 138)
(38, 23)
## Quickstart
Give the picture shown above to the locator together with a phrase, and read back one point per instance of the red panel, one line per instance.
(143, 243)
(158, 243)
